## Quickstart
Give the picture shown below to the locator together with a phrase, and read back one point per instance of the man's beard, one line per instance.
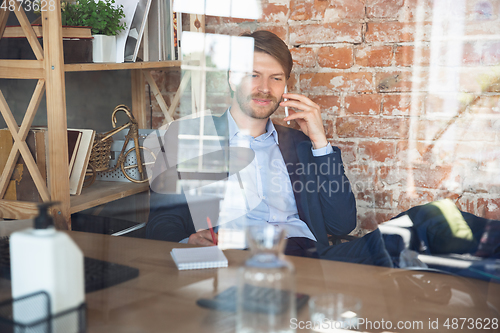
(245, 101)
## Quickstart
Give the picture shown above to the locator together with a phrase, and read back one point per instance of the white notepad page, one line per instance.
(199, 257)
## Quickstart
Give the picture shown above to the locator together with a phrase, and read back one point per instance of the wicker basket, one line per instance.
(101, 152)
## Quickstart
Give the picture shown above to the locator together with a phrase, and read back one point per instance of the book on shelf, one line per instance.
(67, 32)
(80, 143)
(157, 27)
(74, 138)
(136, 31)
(77, 175)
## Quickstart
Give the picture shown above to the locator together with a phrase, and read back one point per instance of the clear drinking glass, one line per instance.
(266, 290)
(334, 312)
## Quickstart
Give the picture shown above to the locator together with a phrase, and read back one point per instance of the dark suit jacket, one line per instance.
(322, 192)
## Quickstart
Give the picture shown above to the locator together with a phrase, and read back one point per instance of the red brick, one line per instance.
(489, 208)
(363, 104)
(329, 128)
(328, 82)
(471, 128)
(482, 28)
(374, 199)
(372, 127)
(424, 8)
(414, 153)
(344, 9)
(292, 82)
(363, 178)
(273, 12)
(237, 20)
(436, 104)
(486, 105)
(491, 53)
(393, 175)
(235, 29)
(394, 32)
(398, 81)
(348, 150)
(405, 55)
(409, 199)
(231, 29)
(370, 218)
(471, 53)
(329, 105)
(403, 104)
(325, 33)
(374, 56)
(383, 8)
(379, 151)
(480, 10)
(303, 57)
(279, 30)
(467, 204)
(335, 57)
(429, 129)
(300, 10)
(212, 20)
(427, 177)
(167, 80)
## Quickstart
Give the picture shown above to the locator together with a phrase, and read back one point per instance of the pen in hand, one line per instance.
(211, 230)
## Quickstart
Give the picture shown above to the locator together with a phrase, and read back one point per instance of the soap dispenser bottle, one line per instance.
(43, 259)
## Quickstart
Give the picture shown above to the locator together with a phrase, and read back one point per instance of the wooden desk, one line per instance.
(162, 299)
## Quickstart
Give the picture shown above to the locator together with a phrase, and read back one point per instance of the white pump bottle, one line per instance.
(43, 259)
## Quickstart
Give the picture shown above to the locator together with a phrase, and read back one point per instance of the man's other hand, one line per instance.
(202, 237)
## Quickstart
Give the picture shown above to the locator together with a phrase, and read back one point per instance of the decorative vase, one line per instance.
(104, 48)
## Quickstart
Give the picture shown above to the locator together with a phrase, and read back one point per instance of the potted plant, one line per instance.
(104, 17)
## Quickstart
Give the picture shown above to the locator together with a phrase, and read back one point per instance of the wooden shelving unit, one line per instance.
(49, 70)
(112, 66)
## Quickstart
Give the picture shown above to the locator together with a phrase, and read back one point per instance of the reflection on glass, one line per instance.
(227, 8)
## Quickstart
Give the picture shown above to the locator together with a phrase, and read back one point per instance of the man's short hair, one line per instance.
(267, 42)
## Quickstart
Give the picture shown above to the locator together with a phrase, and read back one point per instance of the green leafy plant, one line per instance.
(102, 16)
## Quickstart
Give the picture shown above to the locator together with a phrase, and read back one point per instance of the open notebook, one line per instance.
(199, 257)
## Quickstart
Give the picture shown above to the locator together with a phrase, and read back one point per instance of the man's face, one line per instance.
(259, 92)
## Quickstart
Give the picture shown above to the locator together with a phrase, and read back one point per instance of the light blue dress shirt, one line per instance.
(263, 193)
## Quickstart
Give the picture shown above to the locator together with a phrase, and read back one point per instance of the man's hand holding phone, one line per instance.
(309, 119)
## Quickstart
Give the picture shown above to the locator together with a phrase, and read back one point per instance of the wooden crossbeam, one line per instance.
(158, 96)
(182, 86)
(28, 31)
(22, 69)
(18, 210)
(4, 15)
(20, 145)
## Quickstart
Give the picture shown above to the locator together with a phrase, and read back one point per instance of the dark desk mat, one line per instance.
(99, 274)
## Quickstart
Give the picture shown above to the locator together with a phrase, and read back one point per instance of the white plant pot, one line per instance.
(104, 48)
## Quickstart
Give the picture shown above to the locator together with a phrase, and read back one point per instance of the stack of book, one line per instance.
(156, 28)
(21, 185)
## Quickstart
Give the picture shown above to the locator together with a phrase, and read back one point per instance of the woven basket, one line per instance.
(101, 152)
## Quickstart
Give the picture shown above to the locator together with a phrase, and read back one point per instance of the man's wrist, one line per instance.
(319, 144)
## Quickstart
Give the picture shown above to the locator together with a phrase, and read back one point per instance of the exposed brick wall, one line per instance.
(412, 103)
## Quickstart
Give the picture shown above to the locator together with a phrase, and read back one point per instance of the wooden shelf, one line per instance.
(102, 192)
(88, 67)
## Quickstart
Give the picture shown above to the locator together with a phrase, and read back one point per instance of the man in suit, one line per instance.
(295, 180)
